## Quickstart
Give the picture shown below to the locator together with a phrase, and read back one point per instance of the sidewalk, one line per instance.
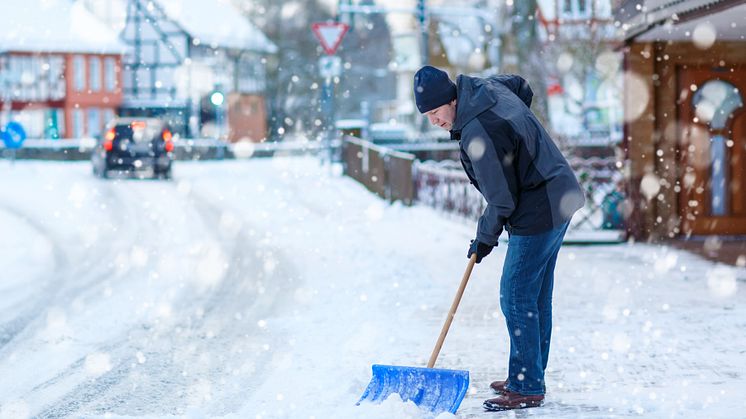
(730, 250)
(639, 331)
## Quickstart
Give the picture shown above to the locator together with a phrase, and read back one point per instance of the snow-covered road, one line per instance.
(267, 288)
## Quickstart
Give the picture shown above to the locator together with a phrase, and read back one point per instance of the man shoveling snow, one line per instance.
(530, 191)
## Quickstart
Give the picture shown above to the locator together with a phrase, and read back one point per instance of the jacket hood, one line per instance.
(517, 84)
(476, 95)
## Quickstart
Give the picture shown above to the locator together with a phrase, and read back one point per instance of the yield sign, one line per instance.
(330, 34)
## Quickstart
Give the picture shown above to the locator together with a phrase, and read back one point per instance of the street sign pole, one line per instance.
(329, 117)
(330, 36)
(330, 67)
(217, 98)
(422, 17)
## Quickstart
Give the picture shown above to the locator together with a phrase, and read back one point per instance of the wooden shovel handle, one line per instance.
(452, 311)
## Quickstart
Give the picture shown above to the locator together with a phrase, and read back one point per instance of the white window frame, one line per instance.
(109, 115)
(110, 74)
(79, 83)
(94, 121)
(78, 130)
(575, 12)
(94, 73)
(61, 122)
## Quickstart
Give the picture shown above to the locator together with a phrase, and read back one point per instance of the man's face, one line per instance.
(443, 115)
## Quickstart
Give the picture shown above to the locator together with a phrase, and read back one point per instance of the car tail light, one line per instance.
(109, 140)
(168, 139)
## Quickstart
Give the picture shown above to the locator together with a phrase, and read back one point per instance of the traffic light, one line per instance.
(217, 98)
(421, 17)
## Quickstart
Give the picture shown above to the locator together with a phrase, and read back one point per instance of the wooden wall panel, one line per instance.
(652, 141)
(639, 63)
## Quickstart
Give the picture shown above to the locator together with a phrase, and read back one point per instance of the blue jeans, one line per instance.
(526, 301)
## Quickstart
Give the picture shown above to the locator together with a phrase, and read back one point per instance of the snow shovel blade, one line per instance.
(432, 389)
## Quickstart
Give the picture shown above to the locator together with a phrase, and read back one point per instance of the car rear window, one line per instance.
(138, 131)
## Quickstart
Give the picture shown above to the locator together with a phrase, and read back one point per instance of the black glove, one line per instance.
(481, 249)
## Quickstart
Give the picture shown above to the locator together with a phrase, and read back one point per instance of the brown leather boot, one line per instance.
(498, 386)
(510, 400)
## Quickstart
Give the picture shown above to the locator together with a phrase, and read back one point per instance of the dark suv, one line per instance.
(134, 145)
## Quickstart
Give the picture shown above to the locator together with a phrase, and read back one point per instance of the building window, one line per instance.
(582, 7)
(51, 124)
(78, 123)
(94, 122)
(108, 116)
(715, 102)
(94, 71)
(56, 78)
(110, 73)
(32, 121)
(575, 9)
(567, 6)
(79, 73)
(28, 79)
(61, 122)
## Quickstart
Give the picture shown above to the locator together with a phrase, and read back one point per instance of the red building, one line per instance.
(60, 70)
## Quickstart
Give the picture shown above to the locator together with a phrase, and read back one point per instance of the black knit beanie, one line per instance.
(432, 88)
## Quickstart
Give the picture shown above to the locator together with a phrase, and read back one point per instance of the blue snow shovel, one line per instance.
(432, 389)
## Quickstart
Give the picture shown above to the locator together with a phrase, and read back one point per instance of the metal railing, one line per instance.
(386, 172)
(445, 187)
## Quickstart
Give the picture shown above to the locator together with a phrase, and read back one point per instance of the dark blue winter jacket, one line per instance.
(509, 157)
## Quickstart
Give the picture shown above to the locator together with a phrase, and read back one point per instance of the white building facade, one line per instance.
(180, 52)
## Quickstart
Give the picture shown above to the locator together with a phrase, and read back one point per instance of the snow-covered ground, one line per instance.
(267, 288)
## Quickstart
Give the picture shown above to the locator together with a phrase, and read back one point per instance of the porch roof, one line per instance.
(675, 20)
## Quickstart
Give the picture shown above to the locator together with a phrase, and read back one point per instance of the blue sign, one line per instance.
(14, 135)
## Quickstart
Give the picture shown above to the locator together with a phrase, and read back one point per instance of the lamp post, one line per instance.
(217, 98)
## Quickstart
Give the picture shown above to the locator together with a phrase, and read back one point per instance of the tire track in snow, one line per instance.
(85, 276)
(66, 271)
(29, 309)
(165, 389)
(133, 231)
